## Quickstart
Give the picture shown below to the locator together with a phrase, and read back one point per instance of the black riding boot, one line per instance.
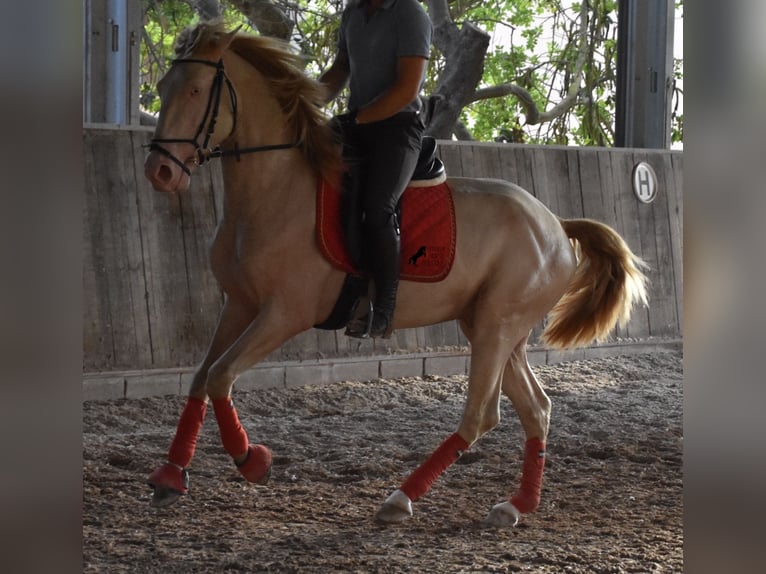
(384, 259)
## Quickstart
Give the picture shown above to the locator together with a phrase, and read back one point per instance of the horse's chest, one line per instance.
(232, 268)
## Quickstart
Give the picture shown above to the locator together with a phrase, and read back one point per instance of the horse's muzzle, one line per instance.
(164, 174)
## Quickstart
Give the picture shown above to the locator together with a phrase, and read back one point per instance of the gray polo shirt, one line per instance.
(398, 28)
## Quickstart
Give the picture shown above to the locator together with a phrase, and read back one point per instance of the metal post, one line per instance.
(644, 73)
(86, 61)
(116, 61)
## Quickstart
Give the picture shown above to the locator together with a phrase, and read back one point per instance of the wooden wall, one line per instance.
(151, 302)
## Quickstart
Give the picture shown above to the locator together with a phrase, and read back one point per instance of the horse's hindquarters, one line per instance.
(512, 261)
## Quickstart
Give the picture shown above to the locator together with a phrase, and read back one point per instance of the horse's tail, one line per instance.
(606, 285)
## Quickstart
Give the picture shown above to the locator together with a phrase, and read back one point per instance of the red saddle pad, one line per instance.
(428, 231)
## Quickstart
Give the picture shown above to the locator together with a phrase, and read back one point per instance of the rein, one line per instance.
(203, 153)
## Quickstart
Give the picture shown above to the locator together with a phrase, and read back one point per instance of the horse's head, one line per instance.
(198, 109)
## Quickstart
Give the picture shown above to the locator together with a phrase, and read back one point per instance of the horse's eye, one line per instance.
(195, 91)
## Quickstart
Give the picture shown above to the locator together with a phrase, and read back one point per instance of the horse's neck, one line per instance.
(269, 185)
(270, 191)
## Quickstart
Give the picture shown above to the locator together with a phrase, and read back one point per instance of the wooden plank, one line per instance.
(450, 156)
(595, 199)
(655, 231)
(117, 258)
(550, 170)
(608, 189)
(569, 192)
(435, 336)
(352, 346)
(607, 212)
(302, 346)
(630, 229)
(675, 215)
(507, 167)
(166, 278)
(466, 160)
(327, 343)
(98, 342)
(524, 169)
(484, 162)
(130, 321)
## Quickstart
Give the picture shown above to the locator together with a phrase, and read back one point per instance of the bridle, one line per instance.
(202, 152)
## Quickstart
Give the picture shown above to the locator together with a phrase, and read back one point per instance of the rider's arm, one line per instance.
(410, 72)
(336, 77)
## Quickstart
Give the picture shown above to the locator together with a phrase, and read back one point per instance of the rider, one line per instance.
(383, 51)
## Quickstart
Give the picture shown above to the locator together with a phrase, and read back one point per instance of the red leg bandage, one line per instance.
(233, 436)
(420, 481)
(182, 448)
(528, 497)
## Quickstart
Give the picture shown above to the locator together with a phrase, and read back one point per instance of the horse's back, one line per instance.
(479, 201)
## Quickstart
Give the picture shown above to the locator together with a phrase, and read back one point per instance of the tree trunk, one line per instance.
(268, 18)
(207, 9)
(464, 51)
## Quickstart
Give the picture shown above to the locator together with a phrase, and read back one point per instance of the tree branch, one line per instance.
(502, 90)
(268, 18)
(461, 132)
(207, 9)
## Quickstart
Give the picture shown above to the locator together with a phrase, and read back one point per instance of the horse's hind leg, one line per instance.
(534, 409)
(171, 480)
(480, 415)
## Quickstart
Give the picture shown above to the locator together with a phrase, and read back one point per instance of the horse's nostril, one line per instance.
(164, 173)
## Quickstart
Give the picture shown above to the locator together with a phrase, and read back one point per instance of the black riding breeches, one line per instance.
(389, 152)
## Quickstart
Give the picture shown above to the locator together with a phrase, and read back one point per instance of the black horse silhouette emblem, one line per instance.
(420, 252)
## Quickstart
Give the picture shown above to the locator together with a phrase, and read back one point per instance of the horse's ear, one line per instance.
(228, 37)
(220, 41)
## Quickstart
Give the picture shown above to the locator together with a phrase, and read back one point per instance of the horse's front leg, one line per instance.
(534, 409)
(171, 480)
(271, 327)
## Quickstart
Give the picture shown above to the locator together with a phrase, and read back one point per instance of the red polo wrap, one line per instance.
(182, 448)
(442, 458)
(233, 436)
(528, 497)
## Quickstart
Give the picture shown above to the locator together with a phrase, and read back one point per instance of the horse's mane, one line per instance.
(299, 95)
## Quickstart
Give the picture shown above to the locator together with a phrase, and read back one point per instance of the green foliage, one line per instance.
(163, 21)
(536, 47)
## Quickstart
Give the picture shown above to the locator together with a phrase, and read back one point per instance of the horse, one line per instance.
(247, 100)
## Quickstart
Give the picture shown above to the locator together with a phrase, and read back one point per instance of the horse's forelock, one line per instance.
(196, 38)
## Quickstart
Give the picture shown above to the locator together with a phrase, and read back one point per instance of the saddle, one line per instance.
(428, 232)
(429, 167)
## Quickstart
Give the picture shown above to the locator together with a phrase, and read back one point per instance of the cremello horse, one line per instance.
(246, 100)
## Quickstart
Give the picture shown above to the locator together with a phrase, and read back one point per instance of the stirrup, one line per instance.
(360, 328)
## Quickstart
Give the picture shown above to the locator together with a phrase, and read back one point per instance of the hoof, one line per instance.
(396, 509)
(169, 482)
(502, 515)
(162, 497)
(256, 468)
